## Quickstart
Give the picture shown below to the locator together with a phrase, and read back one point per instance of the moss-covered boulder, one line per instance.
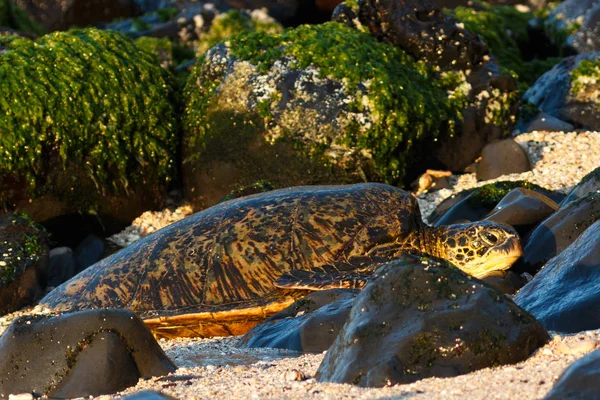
(14, 17)
(87, 124)
(420, 317)
(23, 261)
(570, 91)
(424, 31)
(316, 104)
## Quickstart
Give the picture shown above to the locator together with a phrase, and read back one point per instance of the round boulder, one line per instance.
(329, 104)
(523, 209)
(106, 112)
(83, 354)
(420, 318)
(502, 158)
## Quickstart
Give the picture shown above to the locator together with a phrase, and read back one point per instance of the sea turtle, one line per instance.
(225, 269)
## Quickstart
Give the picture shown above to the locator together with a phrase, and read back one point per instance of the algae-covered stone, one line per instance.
(574, 25)
(87, 122)
(421, 28)
(316, 104)
(14, 17)
(570, 91)
(233, 22)
(474, 204)
(24, 250)
(421, 317)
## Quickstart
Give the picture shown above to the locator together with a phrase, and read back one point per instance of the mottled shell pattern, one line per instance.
(228, 256)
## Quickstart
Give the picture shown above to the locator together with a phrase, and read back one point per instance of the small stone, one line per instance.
(293, 375)
(577, 348)
(20, 396)
(547, 352)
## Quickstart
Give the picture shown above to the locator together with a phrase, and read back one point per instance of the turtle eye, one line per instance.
(491, 238)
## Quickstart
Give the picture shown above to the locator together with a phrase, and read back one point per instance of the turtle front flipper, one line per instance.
(320, 280)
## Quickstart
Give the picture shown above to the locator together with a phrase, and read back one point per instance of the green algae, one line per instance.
(89, 98)
(504, 30)
(408, 103)
(490, 194)
(586, 76)
(14, 17)
(232, 23)
(23, 247)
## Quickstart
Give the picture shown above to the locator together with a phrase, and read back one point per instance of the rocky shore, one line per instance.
(300, 199)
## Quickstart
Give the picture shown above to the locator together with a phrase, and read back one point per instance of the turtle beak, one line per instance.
(499, 258)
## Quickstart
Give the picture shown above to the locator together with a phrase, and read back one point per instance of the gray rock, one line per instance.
(544, 122)
(309, 325)
(62, 266)
(476, 204)
(78, 355)
(522, 209)
(148, 395)
(558, 231)
(564, 296)
(88, 252)
(572, 100)
(588, 184)
(580, 381)
(577, 23)
(502, 158)
(421, 317)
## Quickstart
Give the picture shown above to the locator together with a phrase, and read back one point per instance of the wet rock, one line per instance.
(588, 184)
(421, 317)
(523, 209)
(309, 325)
(564, 295)
(569, 91)
(62, 266)
(544, 122)
(23, 261)
(558, 231)
(475, 204)
(61, 15)
(579, 380)
(502, 158)
(88, 252)
(78, 355)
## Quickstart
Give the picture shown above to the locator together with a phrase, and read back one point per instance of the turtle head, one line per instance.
(479, 248)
